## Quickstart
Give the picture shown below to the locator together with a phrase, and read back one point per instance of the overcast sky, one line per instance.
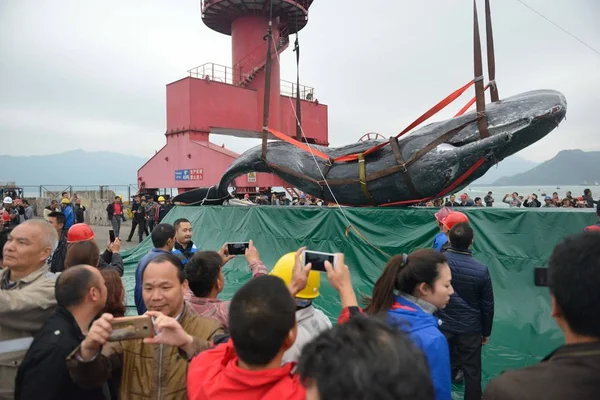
(92, 74)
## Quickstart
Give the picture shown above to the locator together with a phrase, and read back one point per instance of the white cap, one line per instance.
(7, 200)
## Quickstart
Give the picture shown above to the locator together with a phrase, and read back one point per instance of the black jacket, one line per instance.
(532, 203)
(471, 307)
(110, 210)
(590, 201)
(571, 372)
(43, 373)
(112, 261)
(163, 210)
(57, 264)
(79, 216)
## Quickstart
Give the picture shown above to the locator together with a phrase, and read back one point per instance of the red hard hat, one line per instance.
(455, 218)
(80, 233)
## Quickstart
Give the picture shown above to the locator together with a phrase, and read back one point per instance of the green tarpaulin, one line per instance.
(511, 242)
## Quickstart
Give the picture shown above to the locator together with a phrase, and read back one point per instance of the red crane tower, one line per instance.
(217, 99)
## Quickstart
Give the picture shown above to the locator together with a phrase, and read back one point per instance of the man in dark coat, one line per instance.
(81, 295)
(572, 371)
(467, 319)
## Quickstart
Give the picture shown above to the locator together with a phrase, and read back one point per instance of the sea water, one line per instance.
(498, 192)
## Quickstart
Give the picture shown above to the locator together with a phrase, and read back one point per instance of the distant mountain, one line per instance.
(77, 167)
(569, 167)
(508, 167)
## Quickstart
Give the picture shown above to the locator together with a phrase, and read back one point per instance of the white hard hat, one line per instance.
(7, 200)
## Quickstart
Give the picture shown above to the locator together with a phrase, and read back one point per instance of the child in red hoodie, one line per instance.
(262, 326)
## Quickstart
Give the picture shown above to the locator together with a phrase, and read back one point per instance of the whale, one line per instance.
(444, 156)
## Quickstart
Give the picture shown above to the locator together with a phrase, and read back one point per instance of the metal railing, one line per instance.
(291, 89)
(101, 192)
(304, 3)
(216, 72)
(232, 76)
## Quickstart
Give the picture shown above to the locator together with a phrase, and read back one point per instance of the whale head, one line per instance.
(514, 123)
(524, 119)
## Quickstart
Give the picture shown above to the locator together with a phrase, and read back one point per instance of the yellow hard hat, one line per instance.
(65, 201)
(283, 269)
(160, 198)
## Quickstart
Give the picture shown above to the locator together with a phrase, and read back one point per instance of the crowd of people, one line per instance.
(421, 329)
(146, 214)
(515, 200)
(543, 200)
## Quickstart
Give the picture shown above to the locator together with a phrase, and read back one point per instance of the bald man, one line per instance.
(26, 294)
(80, 295)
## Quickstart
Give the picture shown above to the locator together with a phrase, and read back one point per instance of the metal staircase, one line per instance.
(282, 44)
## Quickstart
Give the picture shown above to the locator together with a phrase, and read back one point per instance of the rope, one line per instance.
(339, 207)
(200, 201)
(560, 27)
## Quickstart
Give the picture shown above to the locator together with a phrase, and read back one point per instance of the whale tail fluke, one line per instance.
(202, 196)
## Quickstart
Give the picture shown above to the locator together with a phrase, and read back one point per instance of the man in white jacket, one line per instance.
(311, 321)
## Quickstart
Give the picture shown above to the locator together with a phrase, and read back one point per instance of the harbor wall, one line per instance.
(95, 213)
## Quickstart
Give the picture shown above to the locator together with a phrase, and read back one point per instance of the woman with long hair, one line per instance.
(82, 253)
(115, 293)
(410, 289)
(115, 305)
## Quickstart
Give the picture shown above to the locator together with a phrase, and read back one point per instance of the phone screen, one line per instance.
(540, 276)
(235, 249)
(111, 235)
(317, 260)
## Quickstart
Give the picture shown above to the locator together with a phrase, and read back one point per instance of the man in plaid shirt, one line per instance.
(206, 280)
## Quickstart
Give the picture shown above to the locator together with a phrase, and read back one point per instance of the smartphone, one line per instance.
(128, 328)
(317, 259)
(111, 235)
(237, 248)
(540, 276)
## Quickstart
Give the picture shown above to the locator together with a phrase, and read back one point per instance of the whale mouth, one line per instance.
(526, 117)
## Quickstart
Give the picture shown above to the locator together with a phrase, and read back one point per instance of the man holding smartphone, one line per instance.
(205, 275)
(179, 335)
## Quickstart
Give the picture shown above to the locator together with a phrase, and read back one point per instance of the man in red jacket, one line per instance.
(263, 326)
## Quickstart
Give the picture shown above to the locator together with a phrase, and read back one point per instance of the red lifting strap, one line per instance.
(298, 144)
(470, 103)
(444, 192)
(434, 110)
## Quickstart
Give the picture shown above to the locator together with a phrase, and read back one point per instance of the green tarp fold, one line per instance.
(511, 242)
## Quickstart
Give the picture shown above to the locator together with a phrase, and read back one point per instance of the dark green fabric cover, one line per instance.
(511, 242)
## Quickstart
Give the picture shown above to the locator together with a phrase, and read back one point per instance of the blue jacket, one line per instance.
(69, 216)
(423, 330)
(184, 254)
(139, 272)
(471, 307)
(440, 240)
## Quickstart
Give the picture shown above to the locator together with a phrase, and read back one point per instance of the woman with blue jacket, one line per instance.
(409, 291)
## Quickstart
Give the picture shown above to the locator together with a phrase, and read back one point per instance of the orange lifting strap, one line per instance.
(431, 112)
(303, 146)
